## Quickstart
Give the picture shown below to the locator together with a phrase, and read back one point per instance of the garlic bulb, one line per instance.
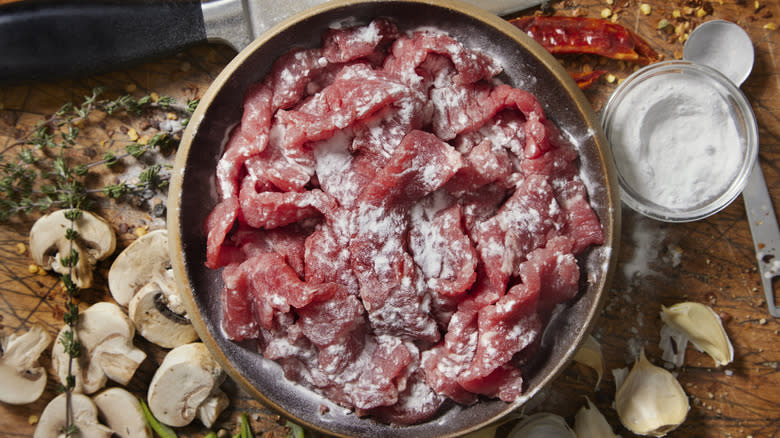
(703, 327)
(542, 425)
(590, 423)
(651, 401)
(589, 354)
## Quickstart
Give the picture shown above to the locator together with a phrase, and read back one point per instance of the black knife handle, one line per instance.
(47, 40)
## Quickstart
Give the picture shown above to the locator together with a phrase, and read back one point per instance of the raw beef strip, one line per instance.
(275, 287)
(288, 242)
(248, 139)
(291, 73)
(337, 327)
(327, 256)
(408, 53)
(421, 164)
(582, 224)
(238, 320)
(218, 224)
(481, 205)
(483, 164)
(416, 403)
(554, 271)
(525, 222)
(392, 289)
(379, 380)
(505, 130)
(269, 210)
(357, 92)
(443, 251)
(504, 328)
(347, 44)
(461, 108)
(443, 363)
(281, 169)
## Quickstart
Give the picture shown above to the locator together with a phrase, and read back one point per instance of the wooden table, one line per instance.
(710, 261)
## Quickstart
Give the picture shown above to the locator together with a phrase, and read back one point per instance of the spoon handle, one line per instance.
(766, 237)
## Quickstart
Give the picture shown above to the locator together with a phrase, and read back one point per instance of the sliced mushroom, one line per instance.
(121, 411)
(589, 422)
(95, 241)
(187, 378)
(107, 352)
(542, 425)
(22, 380)
(151, 312)
(141, 279)
(85, 418)
(699, 324)
(651, 401)
(144, 260)
(209, 410)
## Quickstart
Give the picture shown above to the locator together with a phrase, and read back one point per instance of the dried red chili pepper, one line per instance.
(561, 35)
(585, 80)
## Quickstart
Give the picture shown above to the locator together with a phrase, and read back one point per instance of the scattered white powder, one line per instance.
(675, 141)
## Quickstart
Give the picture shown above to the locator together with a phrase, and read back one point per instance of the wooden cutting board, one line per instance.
(710, 261)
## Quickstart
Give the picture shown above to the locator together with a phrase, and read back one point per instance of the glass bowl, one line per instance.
(684, 140)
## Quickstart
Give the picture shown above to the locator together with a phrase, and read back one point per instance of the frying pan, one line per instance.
(42, 39)
(193, 194)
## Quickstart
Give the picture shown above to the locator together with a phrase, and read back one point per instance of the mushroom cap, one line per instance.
(21, 379)
(96, 240)
(107, 352)
(155, 321)
(121, 411)
(187, 377)
(85, 417)
(139, 264)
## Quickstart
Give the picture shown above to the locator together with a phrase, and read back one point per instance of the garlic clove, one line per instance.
(590, 423)
(703, 327)
(589, 354)
(542, 425)
(651, 401)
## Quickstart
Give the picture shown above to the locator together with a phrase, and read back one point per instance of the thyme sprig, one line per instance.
(45, 175)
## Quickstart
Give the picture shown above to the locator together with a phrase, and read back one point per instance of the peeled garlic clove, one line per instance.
(703, 328)
(590, 423)
(542, 425)
(651, 401)
(589, 354)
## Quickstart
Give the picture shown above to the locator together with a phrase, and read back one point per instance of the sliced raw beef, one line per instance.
(394, 225)
(351, 43)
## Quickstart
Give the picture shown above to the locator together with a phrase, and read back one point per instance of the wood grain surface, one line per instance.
(710, 261)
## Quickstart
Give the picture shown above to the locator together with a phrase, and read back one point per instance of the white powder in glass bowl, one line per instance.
(679, 141)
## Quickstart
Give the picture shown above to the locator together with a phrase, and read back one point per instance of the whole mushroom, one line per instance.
(141, 279)
(48, 243)
(107, 351)
(22, 380)
(84, 414)
(187, 385)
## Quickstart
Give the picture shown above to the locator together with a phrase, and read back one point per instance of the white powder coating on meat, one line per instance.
(368, 34)
(428, 250)
(333, 168)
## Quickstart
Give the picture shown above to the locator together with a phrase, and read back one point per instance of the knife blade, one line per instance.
(45, 40)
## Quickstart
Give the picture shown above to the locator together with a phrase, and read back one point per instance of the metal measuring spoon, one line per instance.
(726, 47)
